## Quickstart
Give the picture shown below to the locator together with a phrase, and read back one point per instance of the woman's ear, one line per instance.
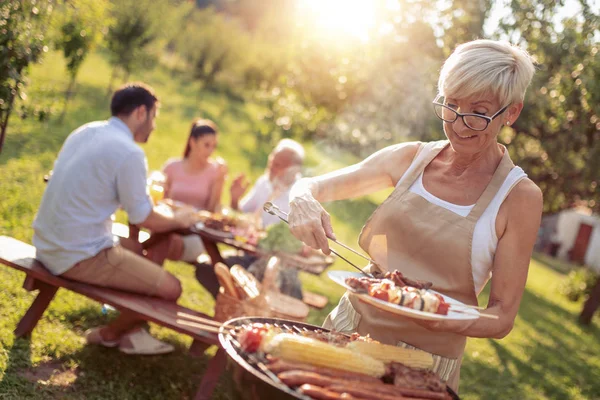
(513, 113)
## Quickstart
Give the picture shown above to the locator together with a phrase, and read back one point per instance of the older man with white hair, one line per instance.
(283, 170)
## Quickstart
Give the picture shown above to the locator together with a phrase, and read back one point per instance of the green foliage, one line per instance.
(546, 356)
(557, 137)
(279, 238)
(211, 44)
(78, 29)
(578, 284)
(22, 42)
(139, 29)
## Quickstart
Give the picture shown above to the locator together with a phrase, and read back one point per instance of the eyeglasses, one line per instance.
(475, 122)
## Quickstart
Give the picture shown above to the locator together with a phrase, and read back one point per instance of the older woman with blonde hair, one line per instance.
(460, 213)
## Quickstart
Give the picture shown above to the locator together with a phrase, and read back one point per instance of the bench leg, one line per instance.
(214, 370)
(35, 312)
(198, 348)
(212, 250)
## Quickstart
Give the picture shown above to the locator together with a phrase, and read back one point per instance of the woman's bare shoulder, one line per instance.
(172, 163)
(396, 159)
(397, 153)
(526, 190)
(406, 149)
(525, 199)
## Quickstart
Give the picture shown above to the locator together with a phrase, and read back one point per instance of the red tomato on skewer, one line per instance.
(251, 339)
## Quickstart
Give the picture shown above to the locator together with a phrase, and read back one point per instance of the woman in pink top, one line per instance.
(197, 180)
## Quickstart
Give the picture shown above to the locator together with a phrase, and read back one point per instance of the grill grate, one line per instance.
(255, 364)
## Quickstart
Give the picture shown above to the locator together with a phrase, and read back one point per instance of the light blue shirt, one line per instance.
(261, 192)
(99, 169)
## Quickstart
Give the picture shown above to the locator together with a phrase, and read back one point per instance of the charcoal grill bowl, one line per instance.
(250, 382)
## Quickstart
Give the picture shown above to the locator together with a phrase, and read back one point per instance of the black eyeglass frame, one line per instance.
(457, 114)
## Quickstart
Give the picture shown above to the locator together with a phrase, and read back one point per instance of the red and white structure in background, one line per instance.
(573, 235)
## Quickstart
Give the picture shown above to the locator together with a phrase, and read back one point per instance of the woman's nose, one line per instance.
(459, 125)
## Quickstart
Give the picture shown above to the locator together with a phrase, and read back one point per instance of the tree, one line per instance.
(557, 137)
(23, 40)
(138, 25)
(78, 29)
(210, 44)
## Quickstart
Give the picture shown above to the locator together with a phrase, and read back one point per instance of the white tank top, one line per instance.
(485, 240)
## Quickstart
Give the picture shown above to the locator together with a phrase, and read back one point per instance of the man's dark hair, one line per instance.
(130, 96)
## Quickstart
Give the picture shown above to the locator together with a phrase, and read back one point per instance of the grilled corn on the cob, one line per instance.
(311, 351)
(388, 353)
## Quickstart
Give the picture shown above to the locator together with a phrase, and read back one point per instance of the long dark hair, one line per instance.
(200, 127)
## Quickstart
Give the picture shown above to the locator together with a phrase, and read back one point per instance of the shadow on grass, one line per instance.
(551, 359)
(95, 372)
(31, 137)
(560, 266)
(12, 386)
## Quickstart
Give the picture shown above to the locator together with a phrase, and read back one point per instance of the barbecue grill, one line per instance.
(253, 380)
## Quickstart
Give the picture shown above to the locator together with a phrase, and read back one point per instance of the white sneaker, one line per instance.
(142, 343)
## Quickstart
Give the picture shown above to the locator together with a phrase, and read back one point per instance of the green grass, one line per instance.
(548, 355)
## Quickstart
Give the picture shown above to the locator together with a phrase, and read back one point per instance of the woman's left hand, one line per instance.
(222, 168)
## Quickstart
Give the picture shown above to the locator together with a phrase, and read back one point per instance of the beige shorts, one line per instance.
(119, 268)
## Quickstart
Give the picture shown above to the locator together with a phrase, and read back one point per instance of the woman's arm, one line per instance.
(381, 170)
(309, 221)
(166, 170)
(523, 210)
(217, 187)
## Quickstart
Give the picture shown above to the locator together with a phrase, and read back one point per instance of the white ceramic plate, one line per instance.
(460, 312)
(215, 232)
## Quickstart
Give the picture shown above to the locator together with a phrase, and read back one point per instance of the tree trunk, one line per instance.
(4, 118)
(68, 95)
(113, 75)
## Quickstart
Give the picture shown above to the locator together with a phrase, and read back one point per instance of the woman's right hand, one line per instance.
(310, 223)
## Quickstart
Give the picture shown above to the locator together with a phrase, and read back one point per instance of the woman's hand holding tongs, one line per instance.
(309, 221)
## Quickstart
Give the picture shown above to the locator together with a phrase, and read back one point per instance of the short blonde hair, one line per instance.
(487, 67)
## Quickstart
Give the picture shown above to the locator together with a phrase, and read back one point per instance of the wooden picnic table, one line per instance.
(211, 242)
(209, 239)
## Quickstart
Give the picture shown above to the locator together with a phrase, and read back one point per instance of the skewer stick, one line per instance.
(490, 316)
(467, 306)
(207, 328)
(203, 320)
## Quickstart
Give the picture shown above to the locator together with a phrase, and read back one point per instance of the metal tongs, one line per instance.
(276, 211)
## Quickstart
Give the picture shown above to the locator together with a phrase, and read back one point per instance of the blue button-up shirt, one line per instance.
(99, 169)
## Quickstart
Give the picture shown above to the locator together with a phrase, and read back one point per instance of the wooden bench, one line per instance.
(21, 256)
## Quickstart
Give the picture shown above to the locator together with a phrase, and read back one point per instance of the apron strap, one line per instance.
(492, 188)
(431, 151)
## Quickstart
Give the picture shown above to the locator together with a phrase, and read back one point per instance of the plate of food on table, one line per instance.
(230, 224)
(395, 293)
(320, 364)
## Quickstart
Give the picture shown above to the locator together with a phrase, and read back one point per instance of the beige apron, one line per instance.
(423, 241)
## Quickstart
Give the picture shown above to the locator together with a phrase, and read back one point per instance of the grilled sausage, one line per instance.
(279, 366)
(298, 378)
(378, 390)
(357, 390)
(320, 393)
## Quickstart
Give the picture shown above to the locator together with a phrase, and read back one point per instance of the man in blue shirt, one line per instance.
(99, 169)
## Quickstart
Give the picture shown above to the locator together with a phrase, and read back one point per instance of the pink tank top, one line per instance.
(190, 188)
